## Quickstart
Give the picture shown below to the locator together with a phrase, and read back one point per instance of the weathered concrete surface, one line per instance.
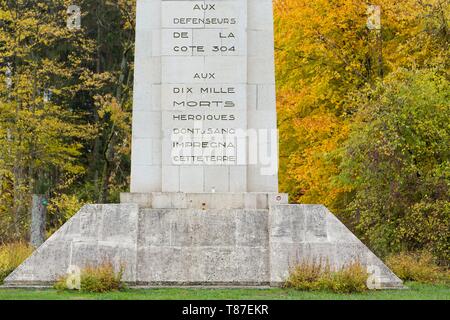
(197, 246)
(311, 233)
(96, 234)
(232, 247)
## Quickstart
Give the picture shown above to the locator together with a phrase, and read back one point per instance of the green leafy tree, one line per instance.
(397, 161)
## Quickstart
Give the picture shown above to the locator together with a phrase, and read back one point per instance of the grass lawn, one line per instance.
(415, 292)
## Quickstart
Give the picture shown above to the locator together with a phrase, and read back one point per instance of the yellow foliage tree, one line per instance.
(325, 55)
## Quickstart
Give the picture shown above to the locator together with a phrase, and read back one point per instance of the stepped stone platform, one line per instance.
(255, 243)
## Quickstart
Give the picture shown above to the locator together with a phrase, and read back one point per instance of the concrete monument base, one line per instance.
(252, 245)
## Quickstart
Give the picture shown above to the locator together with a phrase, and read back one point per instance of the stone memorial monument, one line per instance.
(204, 207)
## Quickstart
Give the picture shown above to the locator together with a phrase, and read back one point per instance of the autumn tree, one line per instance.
(41, 136)
(110, 24)
(331, 66)
(65, 99)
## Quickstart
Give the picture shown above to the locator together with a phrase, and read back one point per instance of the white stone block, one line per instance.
(142, 153)
(266, 97)
(205, 40)
(217, 179)
(260, 43)
(148, 70)
(233, 69)
(145, 179)
(156, 42)
(148, 15)
(171, 178)
(262, 119)
(157, 151)
(238, 179)
(261, 70)
(191, 179)
(252, 97)
(147, 96)
(260, 15)
(182, 69)
(166, 152)
(257, 181)
(250, 200)
(146, 124)
(144, 45)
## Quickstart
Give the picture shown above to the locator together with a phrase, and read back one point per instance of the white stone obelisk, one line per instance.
(204, 115)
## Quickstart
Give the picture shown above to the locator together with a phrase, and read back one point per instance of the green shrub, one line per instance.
(396, 164)
(61, 284)
(426, 226)
(307, 276)
(313, 276)
(97, 279)
(419, 267)
(11, 256)
(352, 278)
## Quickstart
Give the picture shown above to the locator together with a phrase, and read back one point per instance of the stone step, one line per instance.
(168, 200)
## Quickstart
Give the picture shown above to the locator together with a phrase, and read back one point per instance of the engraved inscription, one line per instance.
(204, 41)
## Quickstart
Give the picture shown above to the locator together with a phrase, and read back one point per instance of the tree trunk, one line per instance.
(38, 216)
